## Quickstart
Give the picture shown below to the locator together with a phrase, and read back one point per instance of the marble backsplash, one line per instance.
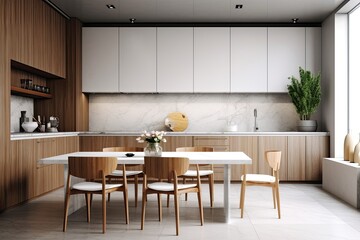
(206, 112)
(17, 105)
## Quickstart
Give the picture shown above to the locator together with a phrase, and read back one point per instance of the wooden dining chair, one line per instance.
(273, 158)
(168, 168)
(204, 173)
(129, 173)
(91, 168)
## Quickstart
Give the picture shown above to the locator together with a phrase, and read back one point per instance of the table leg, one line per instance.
(227, 177)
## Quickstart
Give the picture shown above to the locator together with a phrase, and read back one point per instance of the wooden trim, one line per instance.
(33, 70)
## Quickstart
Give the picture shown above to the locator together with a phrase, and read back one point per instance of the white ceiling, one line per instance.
(170, 11)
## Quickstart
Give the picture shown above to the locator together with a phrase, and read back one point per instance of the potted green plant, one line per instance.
(305, 95)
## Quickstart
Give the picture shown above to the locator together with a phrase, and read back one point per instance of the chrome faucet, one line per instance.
(256, 128)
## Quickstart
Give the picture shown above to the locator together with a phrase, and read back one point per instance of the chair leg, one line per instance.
(200, 208)
(136, 182)
(159, 207)
(278, 200)
(211, 189)
(66, 211)
(177, 219)
(88, 206)
(168, 201)
(184, 182)
(109, 193)
(274, 197)
(143, 210)
(104, 211)
(126, 205)
(242, 197)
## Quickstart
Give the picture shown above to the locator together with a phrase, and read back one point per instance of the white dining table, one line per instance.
(224, 158)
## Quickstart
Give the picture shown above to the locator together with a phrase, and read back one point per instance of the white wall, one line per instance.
(206, 112)
(335, 81)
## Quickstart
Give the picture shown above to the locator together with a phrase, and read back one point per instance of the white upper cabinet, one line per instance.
(211, 59)
(137, 59)
(286, 53)
(249, 59)
(100, 59)
(175, 60)
(313, 49)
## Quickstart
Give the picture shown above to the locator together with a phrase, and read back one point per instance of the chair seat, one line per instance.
(193, 173)
(166, 187)
(119, 173)
(259, 178)
(93, 186)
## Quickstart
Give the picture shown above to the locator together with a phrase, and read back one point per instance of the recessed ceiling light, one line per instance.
(238, 6)
(110, 6)
(295, 20)
(132, 20)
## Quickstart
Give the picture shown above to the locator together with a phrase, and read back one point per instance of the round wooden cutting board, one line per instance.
(176, 121)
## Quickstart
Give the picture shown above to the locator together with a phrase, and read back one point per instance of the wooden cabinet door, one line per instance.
(211, 59)
(296, 158)
(220, 144)
(19, 173)
(175, 59)
(100, 59)
(174, 142)
(317, 148)
(249, 59)
(97, 143)
(267, 143)
(137, 59)
(286, 52)
(248, 145)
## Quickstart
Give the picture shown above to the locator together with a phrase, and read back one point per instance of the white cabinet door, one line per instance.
(286, 53)
(211, 59)
(137, 59)
(175, 59)
(313, 49)
(100, 59)
(249, 59)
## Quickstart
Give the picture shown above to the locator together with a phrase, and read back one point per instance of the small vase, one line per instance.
(349, 146)
(357, 153)
(153, 149)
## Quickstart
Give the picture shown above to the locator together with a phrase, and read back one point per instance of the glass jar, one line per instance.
(153, 149)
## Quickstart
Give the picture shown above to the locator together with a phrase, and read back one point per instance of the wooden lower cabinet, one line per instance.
(220, 144)
(301, 155)
(267, 143)
(248, 145)
(25, 178)
(296, 158)
(317, 148)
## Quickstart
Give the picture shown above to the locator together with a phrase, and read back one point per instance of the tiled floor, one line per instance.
(307, 213)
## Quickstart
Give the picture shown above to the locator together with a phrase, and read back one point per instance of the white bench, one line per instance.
(342, 179)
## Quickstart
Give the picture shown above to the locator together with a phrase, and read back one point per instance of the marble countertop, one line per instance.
(35, 135)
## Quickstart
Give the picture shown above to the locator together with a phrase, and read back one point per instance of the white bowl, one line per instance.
(29, 126)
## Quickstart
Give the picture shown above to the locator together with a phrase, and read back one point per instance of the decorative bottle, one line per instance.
(349, 146)
(22, 119)
(357, 153)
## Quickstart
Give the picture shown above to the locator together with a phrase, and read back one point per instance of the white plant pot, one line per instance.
(307, 126)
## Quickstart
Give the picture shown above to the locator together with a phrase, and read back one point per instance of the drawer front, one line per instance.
(211, 141)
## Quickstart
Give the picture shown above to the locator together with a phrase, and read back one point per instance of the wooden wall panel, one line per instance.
(5, 101)
(20, 18)
(68, 102)
(179, 141)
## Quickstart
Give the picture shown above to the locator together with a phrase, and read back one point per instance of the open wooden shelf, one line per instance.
(29, 93)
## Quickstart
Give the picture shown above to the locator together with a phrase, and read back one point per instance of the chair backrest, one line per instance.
(163, 167)
(273, 157)
(194, 149)
(123, 149)
(91, 167)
